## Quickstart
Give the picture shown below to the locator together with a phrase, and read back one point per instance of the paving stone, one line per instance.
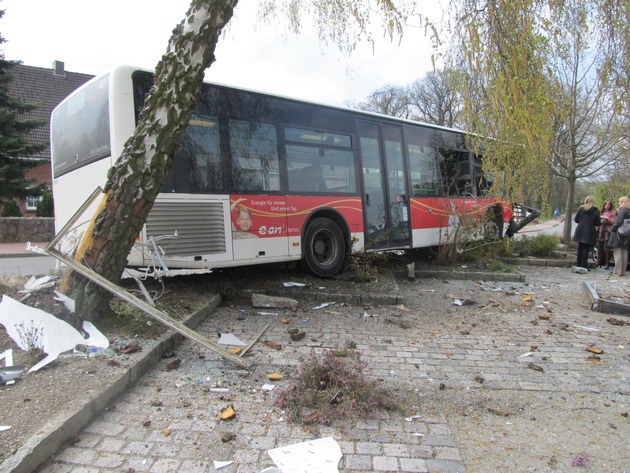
(413, 465)
(357, 462)
(385, 464)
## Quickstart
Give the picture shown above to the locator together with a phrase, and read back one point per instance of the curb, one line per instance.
(47, 441)
(27, 254)
(355, 298)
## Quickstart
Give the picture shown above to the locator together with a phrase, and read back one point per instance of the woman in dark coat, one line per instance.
(618, 243)
(587, 218)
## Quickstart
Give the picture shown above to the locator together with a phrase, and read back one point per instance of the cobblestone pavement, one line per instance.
(508, 346)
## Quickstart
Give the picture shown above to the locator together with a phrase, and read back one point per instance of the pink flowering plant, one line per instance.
(330, 387)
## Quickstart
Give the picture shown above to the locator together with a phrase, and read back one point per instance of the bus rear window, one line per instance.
(80, 128)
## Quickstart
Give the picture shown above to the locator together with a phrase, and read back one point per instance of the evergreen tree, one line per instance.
(14, 146)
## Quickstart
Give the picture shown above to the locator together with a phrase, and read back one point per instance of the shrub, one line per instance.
(45, 208)
(11, 209)
(331, 387)
(541, 245)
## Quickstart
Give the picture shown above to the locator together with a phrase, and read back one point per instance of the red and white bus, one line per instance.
(261, 178)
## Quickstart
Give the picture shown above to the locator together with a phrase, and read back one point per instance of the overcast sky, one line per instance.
(91, 37)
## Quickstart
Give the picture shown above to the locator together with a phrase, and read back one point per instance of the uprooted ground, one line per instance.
(536, 439)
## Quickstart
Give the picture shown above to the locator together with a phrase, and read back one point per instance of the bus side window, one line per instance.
(254, 152)
(424, 171)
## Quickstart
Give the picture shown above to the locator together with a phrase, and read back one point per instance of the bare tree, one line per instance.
(434, 99)
(389, 100)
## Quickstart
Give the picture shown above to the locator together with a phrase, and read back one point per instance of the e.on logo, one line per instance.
(270, 231)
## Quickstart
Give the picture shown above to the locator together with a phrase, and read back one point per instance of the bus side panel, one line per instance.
(299, 208)
(433, 217)
(70, 191)
(259, 226)
(192, 231)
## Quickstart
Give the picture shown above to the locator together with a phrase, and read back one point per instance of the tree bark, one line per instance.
(138, 176)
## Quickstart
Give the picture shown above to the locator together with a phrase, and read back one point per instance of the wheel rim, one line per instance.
(324, 248)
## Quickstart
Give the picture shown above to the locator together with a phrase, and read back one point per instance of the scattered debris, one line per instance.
(605, 305)
(128, 349)
(594, 358)
(480, 379)
(581, 460)
(284, 321)
(130, 298)
(221, 464)
(165, 432)
(498, 412)
(597, 351)
(4, 427)
(294, 284)
(275, 377)
(66, 301)
(296, 337)
(11, 373)
(267, 387)
(613, 321)
(273, 345)
(228, 413)
(37, 284)
(321, 306)
(230, 339)
(219, 390)
(57, 335)
(588, 329)
(321, 456)
(235, 350)
(535, 367)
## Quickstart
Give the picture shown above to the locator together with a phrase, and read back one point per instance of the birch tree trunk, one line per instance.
(138, 176)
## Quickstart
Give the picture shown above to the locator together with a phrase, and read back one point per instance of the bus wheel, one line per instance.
(493, 228)
(324, 247)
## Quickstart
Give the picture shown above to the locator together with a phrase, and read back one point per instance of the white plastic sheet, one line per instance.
(57, 336)
(315, 456)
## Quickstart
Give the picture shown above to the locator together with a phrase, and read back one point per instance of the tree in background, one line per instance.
(435, 99)
(388, 100)
(587, 131)
(512, 55)
(139, 173)
(431, 99)
(14, 148)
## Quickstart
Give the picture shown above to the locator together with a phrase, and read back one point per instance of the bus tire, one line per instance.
(494, 227)
(324, 247)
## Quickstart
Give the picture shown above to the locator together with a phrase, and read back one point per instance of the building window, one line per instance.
(32, 201)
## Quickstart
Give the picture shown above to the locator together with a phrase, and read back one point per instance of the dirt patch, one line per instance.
(73, 379)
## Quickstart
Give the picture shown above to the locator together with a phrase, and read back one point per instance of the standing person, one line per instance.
(608, 216)
(618, 243)
(587, 218)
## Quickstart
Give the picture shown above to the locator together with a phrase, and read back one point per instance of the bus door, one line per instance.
(385, 200)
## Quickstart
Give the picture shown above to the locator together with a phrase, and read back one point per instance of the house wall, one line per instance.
(19, 229)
